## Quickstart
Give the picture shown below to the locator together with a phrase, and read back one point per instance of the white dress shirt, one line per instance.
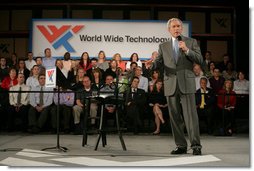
(13, 96)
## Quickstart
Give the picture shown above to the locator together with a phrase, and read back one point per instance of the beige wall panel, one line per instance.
(21, 47)
(108, 14)
(6, 47)
(4, 18)
(221, 23)
(140, 15)
(218, 48)
(21, 19)
(82, 14)
(52, 14)
(166, 15)
(198, 21)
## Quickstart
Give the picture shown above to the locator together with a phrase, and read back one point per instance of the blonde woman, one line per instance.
(117, 57)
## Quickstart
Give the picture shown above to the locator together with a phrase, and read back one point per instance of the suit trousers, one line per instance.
(182, 112)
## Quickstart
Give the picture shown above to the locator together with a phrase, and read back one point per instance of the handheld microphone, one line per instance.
(179, 38)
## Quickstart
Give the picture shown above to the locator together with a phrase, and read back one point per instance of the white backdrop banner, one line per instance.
(111, 36)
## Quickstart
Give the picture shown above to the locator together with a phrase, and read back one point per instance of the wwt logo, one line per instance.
(60, 36)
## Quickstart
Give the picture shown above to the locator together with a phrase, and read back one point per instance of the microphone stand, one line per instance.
(117, 116)
(57, 147)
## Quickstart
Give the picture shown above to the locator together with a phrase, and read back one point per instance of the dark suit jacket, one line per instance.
(209, 97)
(138, 98)
(181, 72)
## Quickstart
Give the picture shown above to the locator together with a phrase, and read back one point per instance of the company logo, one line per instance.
(60, 36)
(50, 75)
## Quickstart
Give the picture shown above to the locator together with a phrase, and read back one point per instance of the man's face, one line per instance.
(21, 78)
(30, 56)
(48, 53)
(207, 56)
(203, 84)
(94, 63)
(216, 72)
(42, 80)
(86, 82)
(135, 83)
(109, 79)
(197, 70)
(38, 61)
(3, 61)
(175, 28)
(138, 71)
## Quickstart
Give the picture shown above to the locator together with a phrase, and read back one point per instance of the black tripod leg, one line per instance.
(119, 132)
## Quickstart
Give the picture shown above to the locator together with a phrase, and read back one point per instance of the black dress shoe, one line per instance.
(179, 150)
(197, 151)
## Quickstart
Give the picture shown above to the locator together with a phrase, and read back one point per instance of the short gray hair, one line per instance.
(173, 19)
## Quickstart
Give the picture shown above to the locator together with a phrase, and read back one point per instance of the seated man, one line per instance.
(108, 90)
(135, 101)
(205, 100)
(66, 101)
(18, 104)
(40, 105)
(81, 96)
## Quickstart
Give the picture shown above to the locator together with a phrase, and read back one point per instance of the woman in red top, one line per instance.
(226, 103)
(10, 80)
(85, 62)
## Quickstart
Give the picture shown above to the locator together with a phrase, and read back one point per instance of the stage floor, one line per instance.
(17, 149)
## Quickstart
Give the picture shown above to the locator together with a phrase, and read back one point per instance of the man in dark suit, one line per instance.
(177, 56)
(205, 100)
(135, 101)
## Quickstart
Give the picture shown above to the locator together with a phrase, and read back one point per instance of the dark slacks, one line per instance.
(64, 116)
(38, 119)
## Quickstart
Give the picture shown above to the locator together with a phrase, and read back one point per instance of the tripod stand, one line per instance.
(57, 147)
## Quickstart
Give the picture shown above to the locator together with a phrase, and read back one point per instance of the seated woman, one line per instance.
(157, 101)
(226, 103)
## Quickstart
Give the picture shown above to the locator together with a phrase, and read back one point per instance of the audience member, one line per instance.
(119, 63)
(18, 105)
(65, 99)
(217, 81)
(205, 100)
(226, 102)
(198, 74)
(143, 81)
(22, 69)
(48, 61)
(67, 62)
(229, 73)
(40, 102)
(241, 85)
(83, 93)
(211, 67)
(158, 102)
(102, 63)
(153, 79)
(4, 70)
(33, 81)
(135, 101)
(133, 58)
(30, 61)
(85, 62)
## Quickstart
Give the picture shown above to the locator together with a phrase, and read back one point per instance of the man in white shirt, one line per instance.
(30, 62)
(143, 81)
(40, 105)
(18, 104)
(199, 74)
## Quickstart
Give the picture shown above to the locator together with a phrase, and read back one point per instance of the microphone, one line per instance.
(179, 38)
